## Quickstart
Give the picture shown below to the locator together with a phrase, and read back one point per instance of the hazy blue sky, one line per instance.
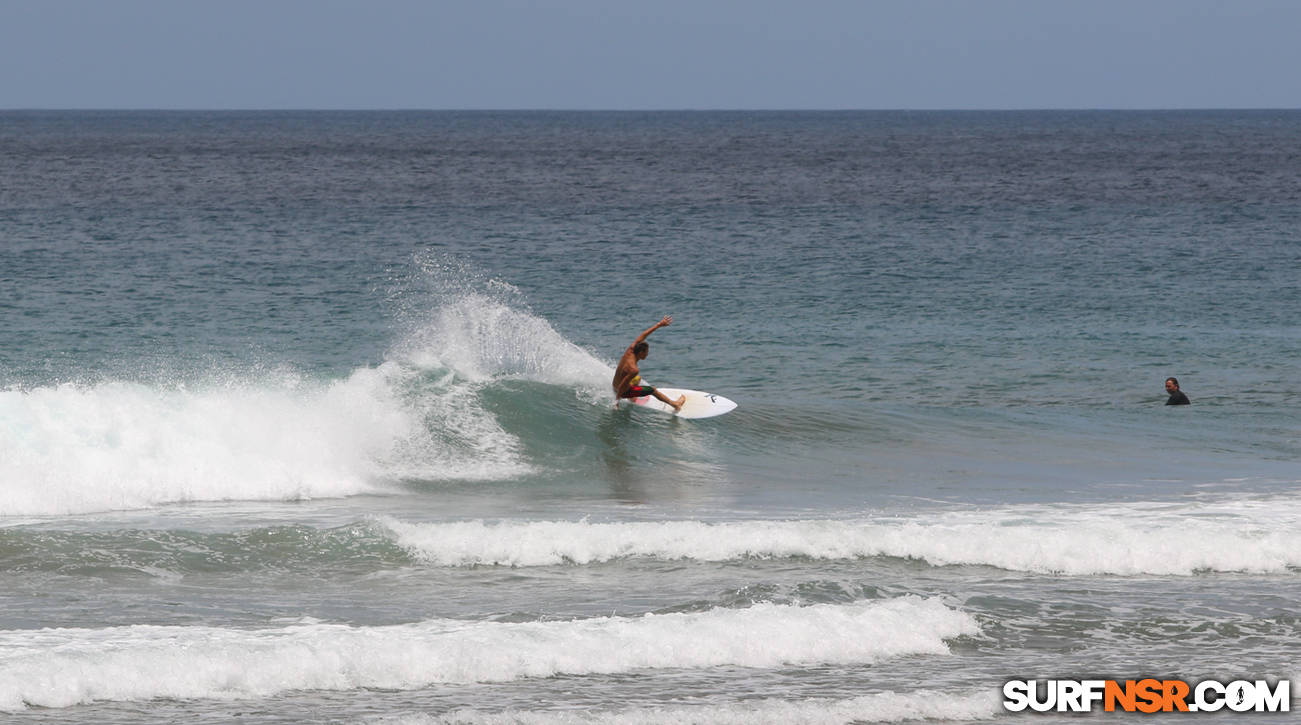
(650, 54)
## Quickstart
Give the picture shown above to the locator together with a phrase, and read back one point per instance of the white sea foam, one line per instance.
(64, 667)
(74, 448)
(77, 448)
(1128, 539)
(877, 707)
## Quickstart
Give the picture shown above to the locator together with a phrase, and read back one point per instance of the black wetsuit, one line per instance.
(1178, 398)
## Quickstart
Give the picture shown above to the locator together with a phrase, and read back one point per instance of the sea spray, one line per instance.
(478, 338)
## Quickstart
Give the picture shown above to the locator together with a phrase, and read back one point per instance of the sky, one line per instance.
(649, 54)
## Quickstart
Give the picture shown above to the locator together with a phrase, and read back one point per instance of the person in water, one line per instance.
(1177, 396)
(627, 378)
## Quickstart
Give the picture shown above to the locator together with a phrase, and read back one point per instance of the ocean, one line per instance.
(306, 417)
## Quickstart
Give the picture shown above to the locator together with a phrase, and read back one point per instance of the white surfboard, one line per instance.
(698, 404)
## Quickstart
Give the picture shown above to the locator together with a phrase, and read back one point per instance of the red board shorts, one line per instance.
(638, 391)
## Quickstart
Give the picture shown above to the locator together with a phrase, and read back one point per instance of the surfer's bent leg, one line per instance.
(677, 404)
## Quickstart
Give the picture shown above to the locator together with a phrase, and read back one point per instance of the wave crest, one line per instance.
(78, 448)
(143, 662)
(1136, 539)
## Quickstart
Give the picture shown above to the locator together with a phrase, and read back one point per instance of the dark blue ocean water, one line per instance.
(322, 398)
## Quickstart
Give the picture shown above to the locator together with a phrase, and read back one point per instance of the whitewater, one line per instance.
(113, 445)
(306, 417)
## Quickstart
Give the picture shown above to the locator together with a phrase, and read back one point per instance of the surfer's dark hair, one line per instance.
(640, 347)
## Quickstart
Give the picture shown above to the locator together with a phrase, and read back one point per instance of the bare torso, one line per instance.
(626, 374)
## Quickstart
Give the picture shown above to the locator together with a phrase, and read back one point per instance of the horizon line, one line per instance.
(413, 109)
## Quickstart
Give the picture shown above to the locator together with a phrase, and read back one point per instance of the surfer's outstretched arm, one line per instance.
(668, 320)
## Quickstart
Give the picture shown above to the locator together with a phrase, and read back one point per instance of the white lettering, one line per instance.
(1050, 697)
(1094, 690)
(1016, 695)
(1070, 696)
(1209, 696)
(1241, 696)
(1277, 701)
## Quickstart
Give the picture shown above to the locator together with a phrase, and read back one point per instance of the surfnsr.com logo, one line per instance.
(1147, 696)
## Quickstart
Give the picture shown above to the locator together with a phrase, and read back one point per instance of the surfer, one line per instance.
(1177, 396)
(627, 378)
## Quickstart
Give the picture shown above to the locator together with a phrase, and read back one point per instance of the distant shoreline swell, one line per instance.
(928, 705)
(1260, 536)
(1254, 537)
